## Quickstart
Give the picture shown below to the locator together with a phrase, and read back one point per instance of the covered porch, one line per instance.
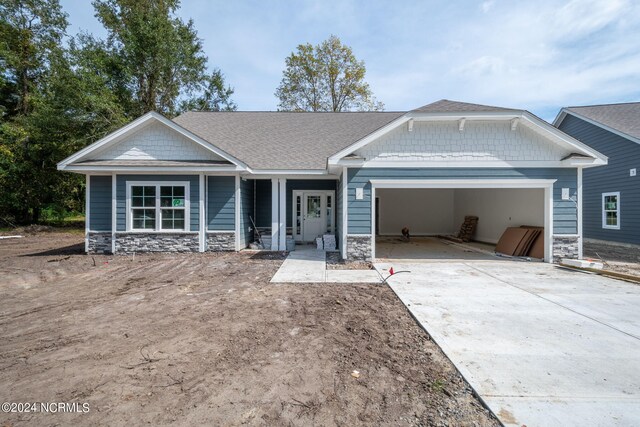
(287, 211)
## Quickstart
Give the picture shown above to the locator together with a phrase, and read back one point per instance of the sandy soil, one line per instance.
(205, 339)
(617, 258)
(335, 262)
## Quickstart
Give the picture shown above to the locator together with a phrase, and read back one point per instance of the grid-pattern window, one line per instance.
(159, 207)
(611, 210)
(143, 204)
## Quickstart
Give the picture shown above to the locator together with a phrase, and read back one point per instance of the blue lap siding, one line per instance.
(99, 217)
(121, 196)
(263, 203)
(623, 155)
(221, 203)
(565, 218)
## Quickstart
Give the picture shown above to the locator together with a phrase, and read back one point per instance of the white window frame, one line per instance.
(158, 184)
(604, 211)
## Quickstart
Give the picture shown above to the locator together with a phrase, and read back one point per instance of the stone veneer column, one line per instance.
(565, 247)
(358, 248)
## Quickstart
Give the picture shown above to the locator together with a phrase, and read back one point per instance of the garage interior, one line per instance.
(428, 213)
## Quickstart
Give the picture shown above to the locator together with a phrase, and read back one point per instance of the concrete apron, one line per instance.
(540, 345)
(308, 265)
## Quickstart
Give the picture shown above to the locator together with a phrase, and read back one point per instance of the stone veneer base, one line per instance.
(221, 241)
(156, 242)
(99, 242)
(565, 247)
(358, 248)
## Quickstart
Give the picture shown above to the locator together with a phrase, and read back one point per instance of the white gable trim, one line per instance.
(524, 117)
(140, 123)
(563, 113)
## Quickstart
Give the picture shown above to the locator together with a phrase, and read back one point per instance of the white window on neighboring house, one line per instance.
(157, 206)
(611, 210)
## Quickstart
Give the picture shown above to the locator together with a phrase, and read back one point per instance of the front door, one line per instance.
(314, 211)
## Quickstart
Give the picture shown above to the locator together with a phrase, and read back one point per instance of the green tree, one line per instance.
(31, 32)
(214, 97)
(52, 106)
(158, 58)
(326, 77)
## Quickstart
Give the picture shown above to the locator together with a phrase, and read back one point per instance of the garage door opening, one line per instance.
(432, 212)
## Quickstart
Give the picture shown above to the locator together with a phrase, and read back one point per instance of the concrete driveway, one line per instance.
(541, 345)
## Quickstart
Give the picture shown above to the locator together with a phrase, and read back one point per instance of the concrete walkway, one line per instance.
(541, 345)
(308, 265)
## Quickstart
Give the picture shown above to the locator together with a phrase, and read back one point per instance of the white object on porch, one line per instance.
(329, 242)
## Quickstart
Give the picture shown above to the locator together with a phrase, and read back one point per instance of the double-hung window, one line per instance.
(158, 206)
(611, 210)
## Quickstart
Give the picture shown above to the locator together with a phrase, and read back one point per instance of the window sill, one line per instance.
(156, 232)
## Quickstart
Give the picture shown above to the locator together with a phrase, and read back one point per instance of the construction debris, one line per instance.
(523, 241)
(405, 233)
(468, 228)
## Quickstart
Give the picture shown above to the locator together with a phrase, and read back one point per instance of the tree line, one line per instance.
(59, 93)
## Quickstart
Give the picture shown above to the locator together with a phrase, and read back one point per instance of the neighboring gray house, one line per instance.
(611, 193)
(195, 182)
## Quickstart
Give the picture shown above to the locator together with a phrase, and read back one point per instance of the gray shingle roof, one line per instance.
(624, 118)
(283, 140)
(447, 106)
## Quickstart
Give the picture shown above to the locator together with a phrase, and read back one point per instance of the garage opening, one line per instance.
(431, 212)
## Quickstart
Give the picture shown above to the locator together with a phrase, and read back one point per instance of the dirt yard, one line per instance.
(206, 339)
(617, 258)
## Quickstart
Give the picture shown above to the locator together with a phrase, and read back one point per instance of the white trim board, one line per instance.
(568, 163)
(546, 184)
(87, 213)
(462, 183)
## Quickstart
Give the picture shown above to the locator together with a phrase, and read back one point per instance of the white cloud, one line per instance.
(486, 6)
(537, 55)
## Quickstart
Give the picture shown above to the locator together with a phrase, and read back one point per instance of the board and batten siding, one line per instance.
(121, 196)
(99, 203)
(565, 217)
(221, 203)
(246, 211)
(623, 155)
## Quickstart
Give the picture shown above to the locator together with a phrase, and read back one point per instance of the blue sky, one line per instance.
(537, 55)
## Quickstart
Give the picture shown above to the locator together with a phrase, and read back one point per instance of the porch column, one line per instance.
(275, 217)
(87, 215)
(282, 243)
(202, 214)
(114, 206)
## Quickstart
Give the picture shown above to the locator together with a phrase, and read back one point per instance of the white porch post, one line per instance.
(275, 218)
(238, 219)
(345, 216)
(579, 207)
(86, 212)
(202, 213)
(114, 206)
(282, 243)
